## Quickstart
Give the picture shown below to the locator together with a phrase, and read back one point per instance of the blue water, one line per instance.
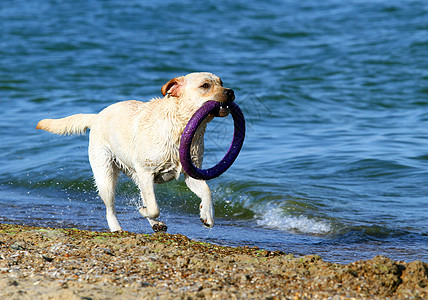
(335, 94)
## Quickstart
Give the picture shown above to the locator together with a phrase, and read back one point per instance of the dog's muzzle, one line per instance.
(230, 95)
(224, 107)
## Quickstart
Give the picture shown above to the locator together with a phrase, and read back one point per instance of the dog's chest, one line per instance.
(170, 167)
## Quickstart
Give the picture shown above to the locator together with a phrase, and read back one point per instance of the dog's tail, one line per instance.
(75, 124)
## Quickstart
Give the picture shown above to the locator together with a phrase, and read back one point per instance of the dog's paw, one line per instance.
(207, 216)
(159, 227)
(206, 224)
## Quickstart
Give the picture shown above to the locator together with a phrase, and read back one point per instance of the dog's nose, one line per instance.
(230, 94)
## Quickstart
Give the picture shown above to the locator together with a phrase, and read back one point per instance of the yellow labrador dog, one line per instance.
(142, 139)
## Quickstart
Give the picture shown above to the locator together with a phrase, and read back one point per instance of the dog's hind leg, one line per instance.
(202, 190)
(150, 209)
(106, 175)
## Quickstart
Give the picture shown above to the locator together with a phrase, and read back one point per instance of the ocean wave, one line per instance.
(276, 219)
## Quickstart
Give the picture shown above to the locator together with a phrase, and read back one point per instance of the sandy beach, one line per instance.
(56, 263)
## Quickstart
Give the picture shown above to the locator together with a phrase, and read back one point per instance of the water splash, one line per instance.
(276, 219)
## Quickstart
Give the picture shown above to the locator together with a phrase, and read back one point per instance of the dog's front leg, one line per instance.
(201, 189)
(150, 208)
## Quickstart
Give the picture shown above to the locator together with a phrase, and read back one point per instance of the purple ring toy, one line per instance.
(211, 107)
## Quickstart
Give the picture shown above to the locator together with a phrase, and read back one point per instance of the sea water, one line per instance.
(335, 96)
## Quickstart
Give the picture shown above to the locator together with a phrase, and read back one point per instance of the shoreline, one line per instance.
(52, 263)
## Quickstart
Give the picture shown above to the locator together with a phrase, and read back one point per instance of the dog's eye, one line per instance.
(205, 85)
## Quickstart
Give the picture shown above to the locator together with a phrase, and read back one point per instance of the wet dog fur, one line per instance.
(142, 140)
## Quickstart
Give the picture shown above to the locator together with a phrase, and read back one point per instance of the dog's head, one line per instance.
(197, 88)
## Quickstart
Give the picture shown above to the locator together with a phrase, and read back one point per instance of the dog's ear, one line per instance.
(174, 87)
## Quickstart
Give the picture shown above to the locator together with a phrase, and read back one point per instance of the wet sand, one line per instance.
(56, 263)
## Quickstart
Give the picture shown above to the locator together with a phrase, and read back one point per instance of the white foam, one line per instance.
(276, 219)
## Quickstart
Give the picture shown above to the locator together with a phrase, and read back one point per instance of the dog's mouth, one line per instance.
(224, 110)
(224, 106)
